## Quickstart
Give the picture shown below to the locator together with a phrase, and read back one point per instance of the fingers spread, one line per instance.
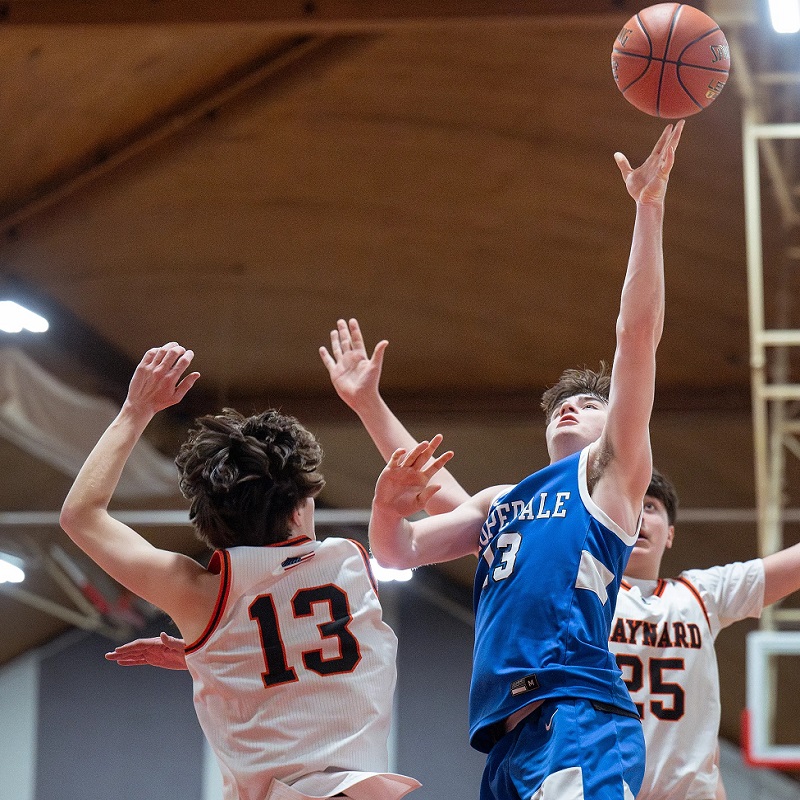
(662, 140)
(355, 333)
(419, 456)
(377, 353)
(438, 463)
(397, 457)
(326, 357)
(336, 347)
(344, 335)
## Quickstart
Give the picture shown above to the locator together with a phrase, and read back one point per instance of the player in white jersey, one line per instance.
(663, 638)
(292, 665)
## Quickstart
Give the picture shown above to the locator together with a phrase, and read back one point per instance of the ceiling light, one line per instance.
(15, 318)
(383, 574)
(785, 15)
(11, 569)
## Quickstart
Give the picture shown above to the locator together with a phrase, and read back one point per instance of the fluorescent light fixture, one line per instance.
(785, 15)
(11, 569)
(14, 318)
(383, 574)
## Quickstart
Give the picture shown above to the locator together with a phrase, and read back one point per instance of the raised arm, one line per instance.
(356, 378)
(171, 581)
(404, 489)
(622, 458)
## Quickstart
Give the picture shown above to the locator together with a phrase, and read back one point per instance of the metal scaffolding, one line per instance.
(765, 68)
(767, 76)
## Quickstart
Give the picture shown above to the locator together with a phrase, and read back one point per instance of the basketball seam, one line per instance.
(695, 41)
(676, 63)
(672, 24)
(649, 57)
(680, 64)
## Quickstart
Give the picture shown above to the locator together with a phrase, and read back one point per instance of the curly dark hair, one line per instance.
(662, 488)
(574, 382)
(245, 476)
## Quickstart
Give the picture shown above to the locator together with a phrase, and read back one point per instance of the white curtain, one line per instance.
(60, 425)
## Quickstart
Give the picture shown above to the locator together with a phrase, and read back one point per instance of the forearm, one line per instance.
(384, 428)
(781, 574)
(98, 478)
(388, 434)
(398, 543)
(625, 443)
(391, 539)
(642, 303)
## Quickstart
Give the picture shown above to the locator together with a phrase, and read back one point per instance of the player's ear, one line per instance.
(670, 536)
(294, 518)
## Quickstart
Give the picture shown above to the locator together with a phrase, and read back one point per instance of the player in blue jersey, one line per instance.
(547, 700)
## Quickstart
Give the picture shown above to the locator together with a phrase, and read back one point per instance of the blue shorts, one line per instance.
(567, 750)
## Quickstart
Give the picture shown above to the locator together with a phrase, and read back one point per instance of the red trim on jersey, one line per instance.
(660, 586)
(302, 539)
(220, 564)
(625, 585)
(699, 599)
(365, 556)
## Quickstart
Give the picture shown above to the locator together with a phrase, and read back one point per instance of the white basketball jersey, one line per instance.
(663, 637)
(295, 672)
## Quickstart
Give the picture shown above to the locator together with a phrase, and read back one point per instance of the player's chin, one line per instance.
(639, 552)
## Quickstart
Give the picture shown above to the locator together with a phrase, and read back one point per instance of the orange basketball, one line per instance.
(670, 60)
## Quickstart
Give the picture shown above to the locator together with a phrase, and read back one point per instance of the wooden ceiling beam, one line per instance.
(308, 16)
(278, 61)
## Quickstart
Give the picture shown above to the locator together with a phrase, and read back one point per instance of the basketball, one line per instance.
(670, 60)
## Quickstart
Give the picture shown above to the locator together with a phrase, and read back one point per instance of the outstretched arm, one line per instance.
(163, 651)
(781, 574)
(168, 580)
(356, 378)
(403, 489)
(622, 458)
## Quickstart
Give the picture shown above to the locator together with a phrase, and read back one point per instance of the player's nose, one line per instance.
(567, 407)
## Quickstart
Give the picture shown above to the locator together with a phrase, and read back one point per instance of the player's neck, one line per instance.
(643, 569)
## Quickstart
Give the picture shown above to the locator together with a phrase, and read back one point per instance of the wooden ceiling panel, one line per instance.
(380, 159)
(73, 96)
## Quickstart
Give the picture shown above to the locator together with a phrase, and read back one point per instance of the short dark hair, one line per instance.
(575, 382)
(662, 488)
(245, 476)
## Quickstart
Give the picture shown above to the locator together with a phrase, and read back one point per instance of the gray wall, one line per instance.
(107, 731)
(434, 664)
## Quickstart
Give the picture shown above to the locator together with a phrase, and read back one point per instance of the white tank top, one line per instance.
(295, 672)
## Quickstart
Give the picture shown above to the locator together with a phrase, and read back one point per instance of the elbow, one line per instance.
(643, 329)
(72, 518)
(392, 557)
(68, 518)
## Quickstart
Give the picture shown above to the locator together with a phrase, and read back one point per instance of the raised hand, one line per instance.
(648, 183)
(157, 383)
(163, 651)
(404, 486)
(353, 373)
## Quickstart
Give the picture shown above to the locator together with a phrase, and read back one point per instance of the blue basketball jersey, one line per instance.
(549, 571)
